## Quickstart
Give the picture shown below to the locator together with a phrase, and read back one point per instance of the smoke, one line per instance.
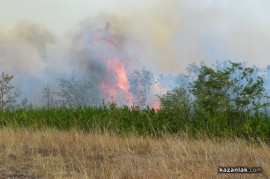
(161, 36)
(169, 36)
(37, 58)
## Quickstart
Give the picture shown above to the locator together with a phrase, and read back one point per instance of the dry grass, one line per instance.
(55, 154)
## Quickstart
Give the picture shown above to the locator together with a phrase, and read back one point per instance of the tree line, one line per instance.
(230, 101)
(225, 101)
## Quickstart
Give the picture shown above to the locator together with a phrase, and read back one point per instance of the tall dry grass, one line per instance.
(57, 154)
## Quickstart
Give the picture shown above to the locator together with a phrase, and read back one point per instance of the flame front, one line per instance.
(122, 85)
(115, 84)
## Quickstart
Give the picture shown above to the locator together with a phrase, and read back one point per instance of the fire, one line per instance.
(107, 88)
(120, 71)
(109, 43)
(156, 104)
(158, 90)
(116, 84)
(122, 82)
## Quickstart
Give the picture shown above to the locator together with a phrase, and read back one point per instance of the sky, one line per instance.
(166, 35)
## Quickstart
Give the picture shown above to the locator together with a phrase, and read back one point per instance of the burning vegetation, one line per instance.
(110, 64)
(228, 100)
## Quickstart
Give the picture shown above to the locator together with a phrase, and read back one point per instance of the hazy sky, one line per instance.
(174, 33)
(56, 15)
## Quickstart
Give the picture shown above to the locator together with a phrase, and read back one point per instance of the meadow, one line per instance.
(117, 142)
(50, 153)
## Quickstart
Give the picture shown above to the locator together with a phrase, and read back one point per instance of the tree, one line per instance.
(247, 94)
(25, 104)
(212, 99)
(140, 85)
(7, 94)
(176, 108)
(76, 93)
(228, 97)
(48, 95)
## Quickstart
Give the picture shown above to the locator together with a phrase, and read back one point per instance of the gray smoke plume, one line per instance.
(163, 37)
(37, 59)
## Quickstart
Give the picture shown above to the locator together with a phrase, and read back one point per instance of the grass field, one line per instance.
(50, 153)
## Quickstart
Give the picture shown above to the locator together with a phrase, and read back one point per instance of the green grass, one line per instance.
(120, 120)
(125, 121)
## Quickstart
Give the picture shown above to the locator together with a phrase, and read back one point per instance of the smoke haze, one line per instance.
(45, 40)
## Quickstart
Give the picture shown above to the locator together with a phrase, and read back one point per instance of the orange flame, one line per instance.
(122, 82)
(156, 104)
(158, 90)
(115, 84)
